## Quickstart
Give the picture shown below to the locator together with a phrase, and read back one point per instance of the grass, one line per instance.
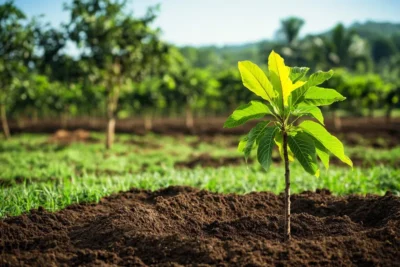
(37, 173)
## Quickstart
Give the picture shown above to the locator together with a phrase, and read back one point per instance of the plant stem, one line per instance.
(287, 188)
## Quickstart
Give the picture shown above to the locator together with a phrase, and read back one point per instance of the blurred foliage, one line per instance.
(124, 69)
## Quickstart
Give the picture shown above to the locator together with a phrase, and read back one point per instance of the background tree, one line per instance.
(49, 59)
(193, 89)
(391, 73)
(16, 46)
(231, 93)
(290, 28)
(382, 49)
(289, 31)
(119, 47)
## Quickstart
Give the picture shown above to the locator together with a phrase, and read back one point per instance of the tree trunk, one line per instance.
(337, 122)
(189, 118)
(64, 120)
(114, 86)
(4, 122)
(20, 122)
(112, 102)
(148, 122)
(35, 116)
(371, 114)
(287, 188)
(388, 115)
(110, 132)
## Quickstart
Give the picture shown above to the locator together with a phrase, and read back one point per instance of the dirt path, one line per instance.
(184, 226)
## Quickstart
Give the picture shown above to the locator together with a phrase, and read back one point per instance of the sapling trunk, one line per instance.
(287, 187)
(4, 122)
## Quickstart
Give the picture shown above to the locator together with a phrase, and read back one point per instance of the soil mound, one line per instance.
(64, 136)
(184, 226)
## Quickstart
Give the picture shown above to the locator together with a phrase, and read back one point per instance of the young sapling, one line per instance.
(287, 94)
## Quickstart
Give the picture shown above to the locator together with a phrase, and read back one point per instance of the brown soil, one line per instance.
(370, 129)
(143, 144)
(205, 160)
(79, 135)
(183, 226)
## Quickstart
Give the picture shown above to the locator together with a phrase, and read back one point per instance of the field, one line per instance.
(194, 199)
(120, 131)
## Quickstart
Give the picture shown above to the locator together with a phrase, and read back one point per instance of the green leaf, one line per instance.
(322, 153)
(296, 73)
(303, 149)
(253, 137)
(317, 78)
(242, 143)
(330, 142)
(309, 110)
(255, 80)
(322, 96)
(252, 110)
(265, 146)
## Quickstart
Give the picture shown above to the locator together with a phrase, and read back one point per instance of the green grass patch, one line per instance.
(37, 173)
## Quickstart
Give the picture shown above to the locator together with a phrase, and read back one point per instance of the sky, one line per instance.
(221, 22)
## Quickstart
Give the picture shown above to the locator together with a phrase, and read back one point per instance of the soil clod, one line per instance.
(79, 135)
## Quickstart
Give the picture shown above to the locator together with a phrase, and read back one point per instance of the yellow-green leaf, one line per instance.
(296, 73)
(319, 96)
(330, 142)
(315, 79)
(322, 153)
(242, 143)
(255, 80)
(280, 78)
(313, 111)
(246, 112)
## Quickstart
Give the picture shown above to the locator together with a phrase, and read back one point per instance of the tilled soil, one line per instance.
(206, 160)
(352, 128)
(184, 226)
